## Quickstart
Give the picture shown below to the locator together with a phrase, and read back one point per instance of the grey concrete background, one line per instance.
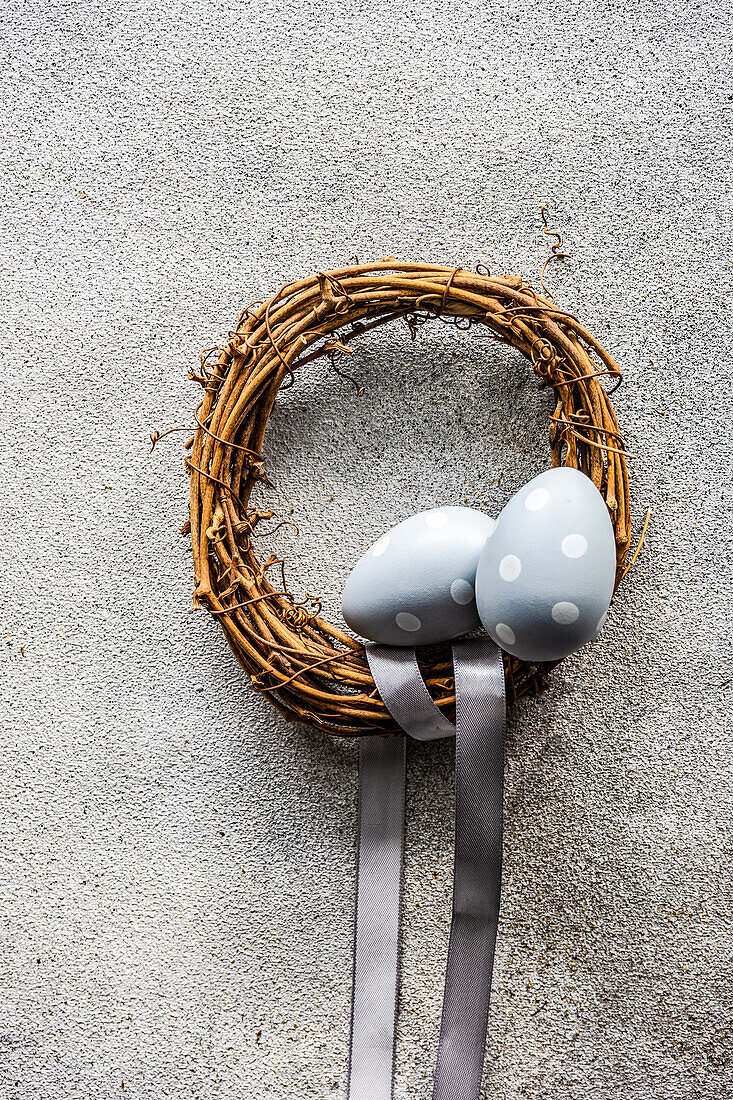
(177, 882)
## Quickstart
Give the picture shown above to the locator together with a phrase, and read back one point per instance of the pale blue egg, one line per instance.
(415, 585)
(546, 575)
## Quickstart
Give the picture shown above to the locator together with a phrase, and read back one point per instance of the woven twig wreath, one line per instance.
(312, 671)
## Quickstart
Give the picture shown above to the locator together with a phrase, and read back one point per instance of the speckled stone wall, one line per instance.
(177, 896)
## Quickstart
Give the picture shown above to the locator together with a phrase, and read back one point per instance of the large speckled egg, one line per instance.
(546, 574)
(415, 585)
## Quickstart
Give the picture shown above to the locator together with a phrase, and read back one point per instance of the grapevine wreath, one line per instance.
(312, 671)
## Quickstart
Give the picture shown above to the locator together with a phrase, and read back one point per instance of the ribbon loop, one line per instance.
(403, 692)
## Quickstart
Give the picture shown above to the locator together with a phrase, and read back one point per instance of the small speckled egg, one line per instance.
(415, 585)
(546, 574)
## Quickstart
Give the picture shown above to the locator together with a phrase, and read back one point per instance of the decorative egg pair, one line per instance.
(539, 579)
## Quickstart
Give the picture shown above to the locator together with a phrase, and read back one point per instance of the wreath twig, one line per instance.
(313, 671)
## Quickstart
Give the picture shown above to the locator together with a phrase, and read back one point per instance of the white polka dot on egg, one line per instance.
(510, 567)
(565, 612)
(505, 634)
(574, 546)
(461, 591)
(436, 519)
(406, 621)
(380, 546)
(537, 499)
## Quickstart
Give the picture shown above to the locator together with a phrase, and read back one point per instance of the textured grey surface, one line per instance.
(177, 882)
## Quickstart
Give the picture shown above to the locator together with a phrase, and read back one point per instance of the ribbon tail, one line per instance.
(480, 723)
(381, 832)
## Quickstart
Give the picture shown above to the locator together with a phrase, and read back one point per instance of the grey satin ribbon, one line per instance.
(404, 694)
(381, 834)
(480, 723)
(479, 731)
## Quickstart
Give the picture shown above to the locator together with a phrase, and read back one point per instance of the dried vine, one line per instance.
(312, 671)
